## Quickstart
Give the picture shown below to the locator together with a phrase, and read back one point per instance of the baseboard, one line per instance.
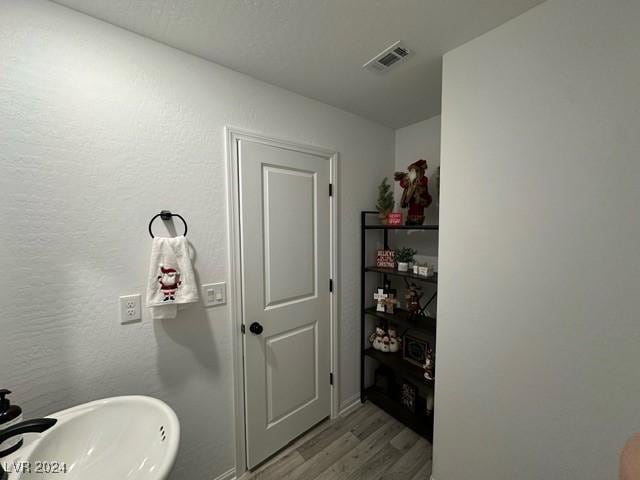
(228, 475)
(349, 405)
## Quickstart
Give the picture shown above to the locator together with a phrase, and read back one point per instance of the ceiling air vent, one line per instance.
(388, 58)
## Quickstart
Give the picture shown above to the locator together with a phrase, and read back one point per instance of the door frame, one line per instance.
(232, 136)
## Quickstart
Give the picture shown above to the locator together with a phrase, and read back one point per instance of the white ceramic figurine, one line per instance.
(394, 341)
(385, 344)
(376, 338)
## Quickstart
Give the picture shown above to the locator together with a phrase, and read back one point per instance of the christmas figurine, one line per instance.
(386, 348)
(416, 191)
(376, 338)
(394, 341)
(429, 367)
(391, 302)
(413, 297)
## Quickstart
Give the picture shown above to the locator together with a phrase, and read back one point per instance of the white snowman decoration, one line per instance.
(376, 338)
(394, 341)
(386, 348)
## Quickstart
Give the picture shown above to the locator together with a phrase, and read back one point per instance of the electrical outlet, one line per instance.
(130, 309)
(214, 294)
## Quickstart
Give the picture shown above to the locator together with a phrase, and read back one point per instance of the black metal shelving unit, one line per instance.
(420, 422)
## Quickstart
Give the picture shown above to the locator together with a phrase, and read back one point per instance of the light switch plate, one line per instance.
(214, 294)
(130, 309)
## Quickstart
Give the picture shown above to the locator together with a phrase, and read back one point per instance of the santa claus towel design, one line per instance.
(171, 278)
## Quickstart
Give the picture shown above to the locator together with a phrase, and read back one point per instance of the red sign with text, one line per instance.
(385, 259)
(394, 219)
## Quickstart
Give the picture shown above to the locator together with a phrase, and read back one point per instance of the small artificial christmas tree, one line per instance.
(385, 200)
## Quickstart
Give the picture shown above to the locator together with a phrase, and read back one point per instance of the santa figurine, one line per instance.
(416, 191)
(413, 296)
(169, 280)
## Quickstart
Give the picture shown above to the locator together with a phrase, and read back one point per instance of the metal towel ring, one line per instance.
(166, 216)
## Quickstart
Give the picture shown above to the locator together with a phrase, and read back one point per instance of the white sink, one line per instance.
(133, 438)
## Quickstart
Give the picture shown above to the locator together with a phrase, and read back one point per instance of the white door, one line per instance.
(285, 235)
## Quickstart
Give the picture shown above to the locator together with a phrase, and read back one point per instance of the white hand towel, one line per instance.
(171, 278)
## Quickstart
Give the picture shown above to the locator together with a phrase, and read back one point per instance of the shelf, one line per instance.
(401, 227)
(411, 275)
(401, 370)
(421, 424)
(401, 317)
(400, 366)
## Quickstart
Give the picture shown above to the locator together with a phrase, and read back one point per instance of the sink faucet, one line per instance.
(38, 425)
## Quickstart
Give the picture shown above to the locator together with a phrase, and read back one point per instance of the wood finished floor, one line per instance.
(366, 444)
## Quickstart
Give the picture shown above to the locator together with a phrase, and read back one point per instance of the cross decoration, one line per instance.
(380, 298)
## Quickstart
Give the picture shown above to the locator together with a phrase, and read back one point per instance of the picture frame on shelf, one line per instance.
(414, 350)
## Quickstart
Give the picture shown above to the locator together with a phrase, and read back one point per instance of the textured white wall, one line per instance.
(538, 331)
(99, 130)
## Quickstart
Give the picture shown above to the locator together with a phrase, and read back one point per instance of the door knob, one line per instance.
(256, 328)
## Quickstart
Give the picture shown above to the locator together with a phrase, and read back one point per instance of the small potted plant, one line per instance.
(404, 257)
(385, 200)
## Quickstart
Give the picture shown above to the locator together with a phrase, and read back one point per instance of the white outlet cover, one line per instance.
(214, 294)
(130, 309)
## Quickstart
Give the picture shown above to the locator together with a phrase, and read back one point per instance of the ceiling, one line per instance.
(317, 47)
